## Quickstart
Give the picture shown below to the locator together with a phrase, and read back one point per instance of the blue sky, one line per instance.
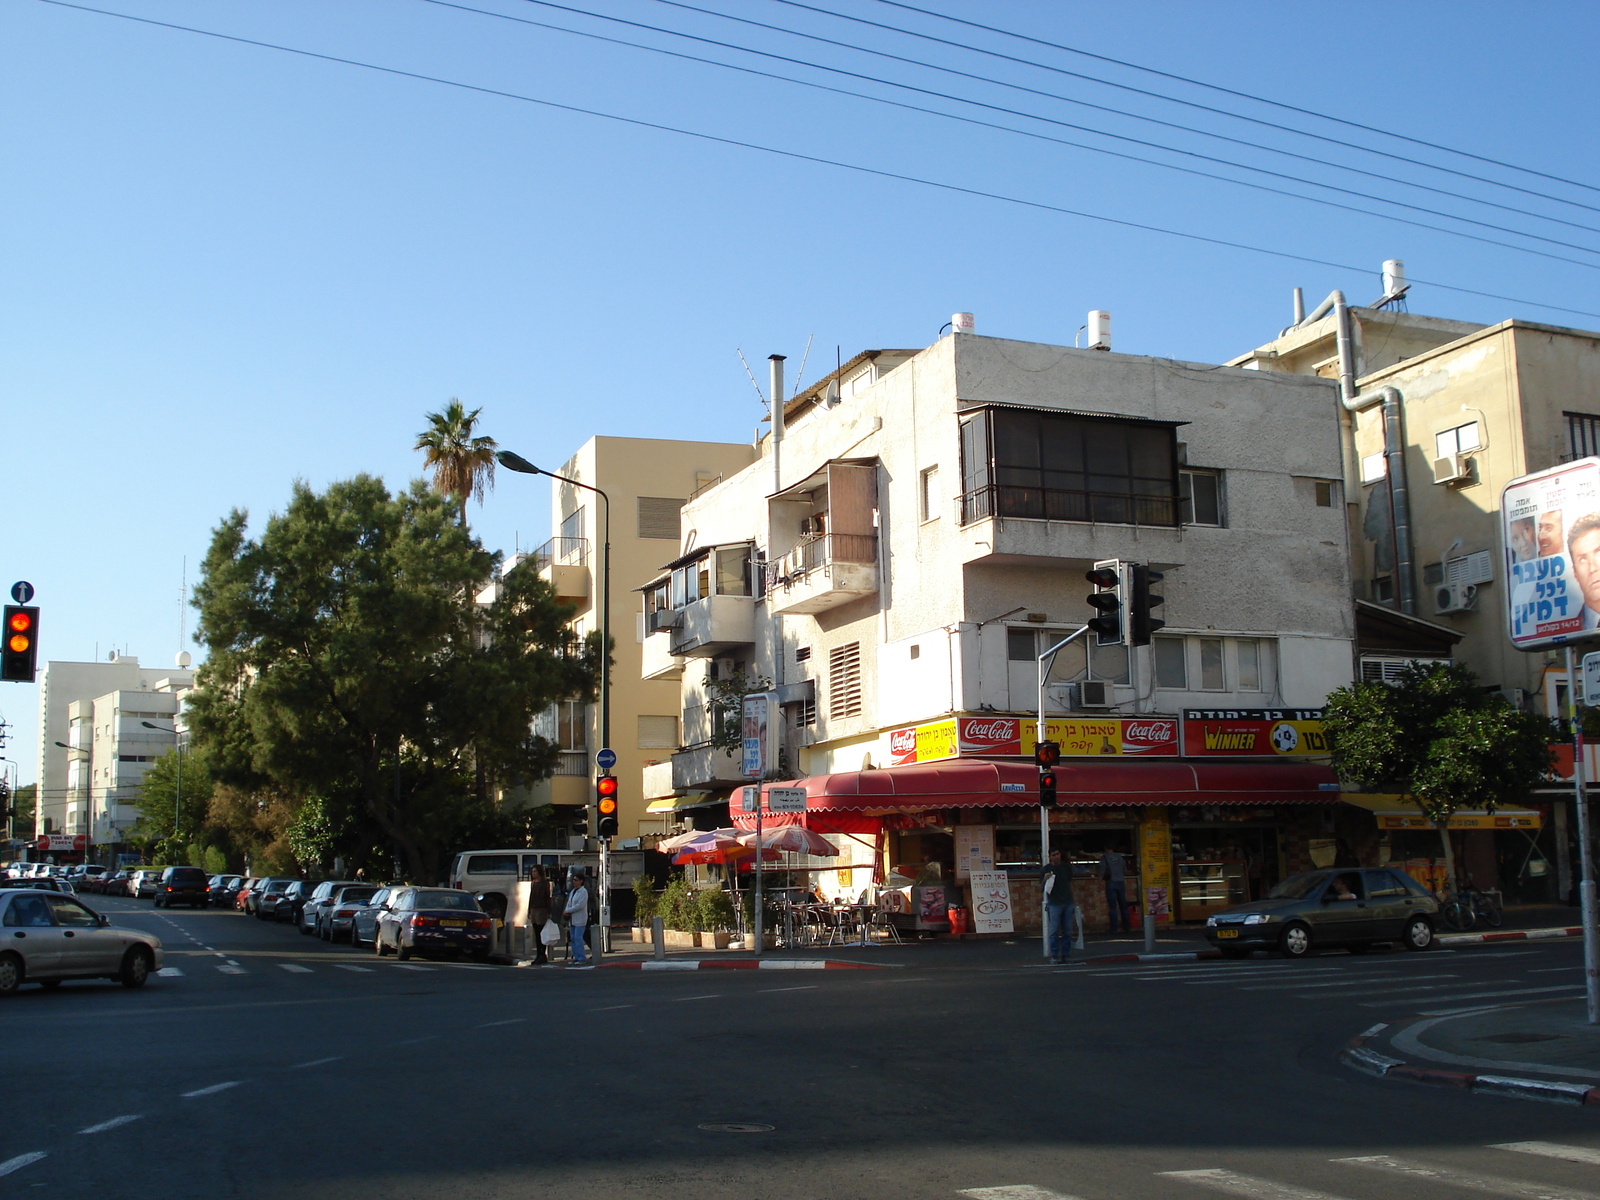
(228, 267)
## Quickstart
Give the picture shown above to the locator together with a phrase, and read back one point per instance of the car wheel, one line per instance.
(10, 974)
(401, 952)
(1419, 933)
(355, 938)
(135, 967)
(156, 903)
(303, 930)
(1295, 941)
(377, 944)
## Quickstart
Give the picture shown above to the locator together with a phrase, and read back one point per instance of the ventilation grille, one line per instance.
(802, 653)
(658, 733)
(658, 517)
(844, 681)
(1387, 670)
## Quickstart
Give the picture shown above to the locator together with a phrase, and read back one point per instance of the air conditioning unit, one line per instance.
(811, 526)
(1452, 468)
(1094, 693)
(723, 668)
(666, 618)
(1455, 597)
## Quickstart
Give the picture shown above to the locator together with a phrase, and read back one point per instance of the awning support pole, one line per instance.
(1046, 662)
(1586, 892)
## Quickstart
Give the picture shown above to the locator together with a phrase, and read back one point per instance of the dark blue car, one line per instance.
(432, 921)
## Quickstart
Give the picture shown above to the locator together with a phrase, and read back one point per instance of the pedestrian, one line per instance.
(1114, 870)
(538, 913)
(577, 914)
(1059, 908)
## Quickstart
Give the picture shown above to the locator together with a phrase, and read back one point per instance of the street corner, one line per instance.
(1556, 1060)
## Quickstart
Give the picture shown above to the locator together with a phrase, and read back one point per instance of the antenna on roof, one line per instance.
(798, 374)
(759, 394)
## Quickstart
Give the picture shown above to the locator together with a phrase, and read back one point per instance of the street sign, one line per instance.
(606, 759)
(1591, 678)
(786, 799)
(751, 798)
(22, 591)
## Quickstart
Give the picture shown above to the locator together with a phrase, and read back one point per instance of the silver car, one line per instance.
(46, 937)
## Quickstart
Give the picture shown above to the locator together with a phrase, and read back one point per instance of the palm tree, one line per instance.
(462, 465)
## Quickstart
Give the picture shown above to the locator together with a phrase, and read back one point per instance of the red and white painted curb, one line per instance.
(1370, 1062)
(1509, 935)
(742, 964)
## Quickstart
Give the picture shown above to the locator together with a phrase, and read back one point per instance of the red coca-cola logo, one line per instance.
(903, 741)
(989, 731)
(1149, 733)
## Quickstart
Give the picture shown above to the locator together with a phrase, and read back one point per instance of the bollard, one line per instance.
(658, 935)
(1149, 934)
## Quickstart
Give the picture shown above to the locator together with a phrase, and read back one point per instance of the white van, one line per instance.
(492, 872)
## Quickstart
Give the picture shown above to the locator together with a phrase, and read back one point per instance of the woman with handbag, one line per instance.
(539, 914)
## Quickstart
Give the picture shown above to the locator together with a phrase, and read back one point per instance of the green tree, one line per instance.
(343, 666)
(462, 464)
(159, 801)
(1441, 740)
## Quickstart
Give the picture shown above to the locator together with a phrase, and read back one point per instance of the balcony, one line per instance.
(713, 624)
(657, 780)
(573, 762)
(1017, 526)
(563, 563)
(656, 659)
(705, 766)
(823, 572)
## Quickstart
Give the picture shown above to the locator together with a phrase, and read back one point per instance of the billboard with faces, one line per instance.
(1550, 534)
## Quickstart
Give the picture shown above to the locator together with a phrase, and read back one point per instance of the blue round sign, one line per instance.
(22, 591)
(606, 759)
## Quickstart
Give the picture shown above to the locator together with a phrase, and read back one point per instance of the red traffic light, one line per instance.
(20, 648)
(1102, 577)
(605, 790)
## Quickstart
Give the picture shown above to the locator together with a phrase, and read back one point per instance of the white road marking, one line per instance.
(212, 1090)
(1552, 970)
(1375, 1030)
(353, 967)
(296, 968)
(1577, 1154)
(232, 969)
(316, 1062)
(809, 987)
(708, 996)
(512, 1021)
(111, 1124)
(1247, 1185)
(410, 967)
(1463, 1179)
(20, 1161)
(1014, 1191)
(1364, 981)
(1482, 995)
(170, 973)
(613, 1008)
(432, 1037)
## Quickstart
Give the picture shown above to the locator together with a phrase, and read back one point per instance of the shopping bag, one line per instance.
(1077, 920)
(550, 934)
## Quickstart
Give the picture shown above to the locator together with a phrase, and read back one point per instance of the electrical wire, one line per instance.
(1388, 179)
(715, 139)
(1003, 128)
(1307, 112)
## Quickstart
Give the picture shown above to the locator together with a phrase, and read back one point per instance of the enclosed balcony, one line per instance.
(656, 659)
(822, 573)
(705, 767)
(702, 607)
(563, 563)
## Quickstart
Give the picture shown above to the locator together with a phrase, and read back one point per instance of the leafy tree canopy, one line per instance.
(349, 669)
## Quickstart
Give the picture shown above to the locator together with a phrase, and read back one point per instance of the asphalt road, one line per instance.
(269, 1064)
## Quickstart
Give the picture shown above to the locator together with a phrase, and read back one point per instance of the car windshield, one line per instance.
(443, 899)
(356, 895)
(1298, 887)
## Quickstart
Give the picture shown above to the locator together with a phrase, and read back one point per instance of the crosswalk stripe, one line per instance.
(296, 968)
(1577, 1154)
(1492, 1184)
(1247, 1185)
(20, 1161)
(1482, 995)
(226, 969)
(1014, 1191)
(352, 967)
(170, 973)
(1358, 981)
(410, 967)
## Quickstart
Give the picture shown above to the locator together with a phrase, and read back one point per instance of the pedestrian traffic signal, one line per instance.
(1047, 788)
(605, 794)
(1109, 600)
(1140, 622)
(19, 652)
(1046, 754)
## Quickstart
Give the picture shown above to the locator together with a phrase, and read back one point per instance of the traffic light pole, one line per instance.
(1046, 661)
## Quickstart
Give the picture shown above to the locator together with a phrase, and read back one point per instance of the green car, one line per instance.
(1346, 907)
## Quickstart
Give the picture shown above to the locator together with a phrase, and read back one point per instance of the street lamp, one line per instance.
(177, 802)
(512, 461)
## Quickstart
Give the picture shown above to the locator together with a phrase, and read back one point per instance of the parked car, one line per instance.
(268, 898)
(116, 884)
(241, 900)
(223, 889)
(364, 917)
(48, 936)
(43, 883)
(432, 920)
(334, 919)
(182, 885)
(143, 884)
(309, 910)
(1338, 907)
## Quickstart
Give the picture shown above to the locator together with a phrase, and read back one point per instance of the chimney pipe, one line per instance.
(1299, 306)
(776, 363)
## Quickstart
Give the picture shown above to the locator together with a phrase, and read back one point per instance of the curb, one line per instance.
(743, 964)
(1356, 1056)
(1510, 935)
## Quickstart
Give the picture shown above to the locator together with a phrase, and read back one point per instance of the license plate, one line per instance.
(454, 924)
(1226, 933)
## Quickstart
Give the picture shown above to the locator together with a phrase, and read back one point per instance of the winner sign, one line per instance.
(1550, 531)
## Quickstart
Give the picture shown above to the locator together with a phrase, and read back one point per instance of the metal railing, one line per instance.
(1051, 504)
(819, 552)
(573, 762)
(563, 552)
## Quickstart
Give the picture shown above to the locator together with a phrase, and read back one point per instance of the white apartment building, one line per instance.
(923, 534)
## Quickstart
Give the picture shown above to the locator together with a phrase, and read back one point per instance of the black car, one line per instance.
(264, 900)
(182, 885)
(1338, 907)
(293, 901)
(225, 889)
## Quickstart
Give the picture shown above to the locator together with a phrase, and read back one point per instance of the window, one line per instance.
(1171, 665)
(1247, 653)
(658, 517)
(28, 912)
(1374, 467)
(1457, 441)
(572, 524)
(1583, 435)
(70, 913)
(929, 492)
(1324, 493)
(1384, 883)
(1021, 645)
(572, 725)
(844, 681)
(916, 651)
(658, 733)
(1065, 467)
(1211, 678)
(733, 571)
(1201, 496)
(1383, 589)
(1110, 663)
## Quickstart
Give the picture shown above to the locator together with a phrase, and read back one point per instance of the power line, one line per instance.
(715, 139)
(1028, 133)
(1307, 112)
(1138, 116)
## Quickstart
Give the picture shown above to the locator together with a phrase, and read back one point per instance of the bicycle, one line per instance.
(1466, 907)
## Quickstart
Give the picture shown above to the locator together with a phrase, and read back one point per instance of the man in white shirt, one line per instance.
(577, 914)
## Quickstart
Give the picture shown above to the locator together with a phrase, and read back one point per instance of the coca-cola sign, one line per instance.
(1007, 737)
(991, 735)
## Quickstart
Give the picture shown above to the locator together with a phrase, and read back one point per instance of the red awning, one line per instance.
(970, 783)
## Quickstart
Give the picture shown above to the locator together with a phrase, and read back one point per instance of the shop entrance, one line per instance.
(1219, 866)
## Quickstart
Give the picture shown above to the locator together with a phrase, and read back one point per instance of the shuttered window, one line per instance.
(658, 517)
(658, 733)
(844, 681)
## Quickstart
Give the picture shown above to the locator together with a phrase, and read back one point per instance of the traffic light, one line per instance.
(1046, 754)
(605, 796)
(19, 652)
(1109, 600)
(1140, 623)
(580, 822)
(1047, 788)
